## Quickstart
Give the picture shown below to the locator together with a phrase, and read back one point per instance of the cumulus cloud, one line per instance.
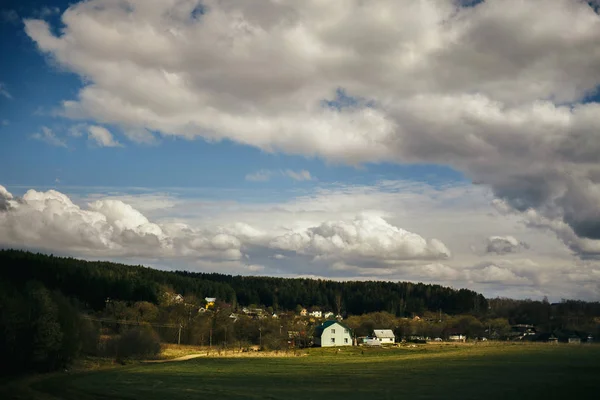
(102, 137)
(367, 237)
(48, 136)
(51, 221)
(582, 246)
(495, 90)
(6, 199)
(504, 245)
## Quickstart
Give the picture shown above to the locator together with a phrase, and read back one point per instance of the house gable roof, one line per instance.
(319, 329)
(384, 333)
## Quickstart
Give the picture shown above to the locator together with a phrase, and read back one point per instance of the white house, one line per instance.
(332, 334)
(384, 336)
(457, 337)
(316, 314)
(177, 298)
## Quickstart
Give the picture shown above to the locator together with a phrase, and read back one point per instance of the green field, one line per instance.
(482, 371)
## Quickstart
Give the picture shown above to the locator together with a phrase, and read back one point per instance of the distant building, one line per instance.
(332, 334)
(522, 331)
(316, 314)
(384, 336)
(328, 314)
(177, 298)
(303, 312)
(210, 302)
(369, 341)
(574, 340)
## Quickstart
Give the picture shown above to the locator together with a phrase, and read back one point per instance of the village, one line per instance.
(313, 327)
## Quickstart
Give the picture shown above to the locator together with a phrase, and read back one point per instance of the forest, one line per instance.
(55, 310)
(91, 283)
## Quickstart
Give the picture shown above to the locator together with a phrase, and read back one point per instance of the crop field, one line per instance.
(481, 371)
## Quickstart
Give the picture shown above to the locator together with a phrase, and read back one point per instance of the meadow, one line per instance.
(448, 371)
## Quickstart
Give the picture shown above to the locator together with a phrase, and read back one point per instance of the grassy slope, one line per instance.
(462, 372)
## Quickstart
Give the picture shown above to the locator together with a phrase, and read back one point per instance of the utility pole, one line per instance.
(210, 338)
(179, 336)
(260, 336)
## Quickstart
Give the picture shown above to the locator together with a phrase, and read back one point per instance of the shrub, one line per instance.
(138, 342)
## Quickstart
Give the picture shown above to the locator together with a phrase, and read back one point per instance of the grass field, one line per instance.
(482, 371)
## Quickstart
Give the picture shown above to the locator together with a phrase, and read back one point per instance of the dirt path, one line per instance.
(252, 354)
(182, 358)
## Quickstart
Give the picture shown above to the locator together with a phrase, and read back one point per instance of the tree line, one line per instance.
(92, 282)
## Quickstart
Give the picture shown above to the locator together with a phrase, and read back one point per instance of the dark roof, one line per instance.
(319, 329)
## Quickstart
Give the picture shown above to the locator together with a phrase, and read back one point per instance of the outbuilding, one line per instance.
(384, 336)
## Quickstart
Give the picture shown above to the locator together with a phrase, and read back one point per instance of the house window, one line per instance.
(332, 340)
(346, 340)
(333, 331)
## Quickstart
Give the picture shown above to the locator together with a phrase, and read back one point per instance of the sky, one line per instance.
(439, 141)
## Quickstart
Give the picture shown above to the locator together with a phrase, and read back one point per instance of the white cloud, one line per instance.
(107, 228)
(312, 234)
(49, 137)
(367, 237)
(4, 91)
(481, 88)
(102, 137)
(77, 130)
(504, 245)
(265, 175)
(302, 175)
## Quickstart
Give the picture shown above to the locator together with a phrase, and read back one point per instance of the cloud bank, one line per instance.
(326, 232)
(496, 90)
(51, 221)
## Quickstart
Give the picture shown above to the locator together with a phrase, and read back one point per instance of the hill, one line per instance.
(92, 282)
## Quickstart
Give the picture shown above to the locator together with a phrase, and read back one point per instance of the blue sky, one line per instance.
(248, 141)
(37, 86)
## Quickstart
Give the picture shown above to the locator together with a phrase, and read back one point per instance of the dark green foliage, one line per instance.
(93, 282)
(40, 329)
(138, 342)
